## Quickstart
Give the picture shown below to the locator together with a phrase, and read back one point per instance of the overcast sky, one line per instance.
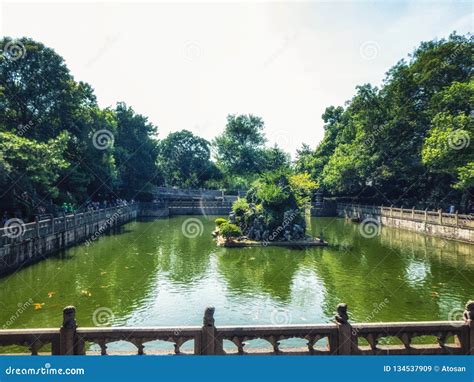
(188, 65)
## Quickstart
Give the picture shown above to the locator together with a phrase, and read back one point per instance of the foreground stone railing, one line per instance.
(338, 338)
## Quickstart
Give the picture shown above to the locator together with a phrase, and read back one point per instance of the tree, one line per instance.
(30, 169)
(184, 160)
(239, 148)
(136, 152)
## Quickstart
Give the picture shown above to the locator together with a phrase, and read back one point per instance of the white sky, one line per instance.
(188, 65)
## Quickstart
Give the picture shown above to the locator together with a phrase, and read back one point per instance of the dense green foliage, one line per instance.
(220, 221)
(407, 142)
(274, 206)
(185, 160)
(229, 230)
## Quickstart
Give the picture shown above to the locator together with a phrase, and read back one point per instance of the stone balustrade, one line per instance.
(338, 338)
(22, 244)
(435, 223)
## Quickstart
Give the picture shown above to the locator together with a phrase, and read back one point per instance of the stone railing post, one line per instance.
(67, 332)
(208, 340)
(456, 218)
(345, 336)
(413, 213)
(469, 319)
(391, 208)
(37, 226)
(440, 216)
(426, 215)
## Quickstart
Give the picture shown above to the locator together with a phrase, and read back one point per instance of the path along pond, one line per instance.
(165, 272)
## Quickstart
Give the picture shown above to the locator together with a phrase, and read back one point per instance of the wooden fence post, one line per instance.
(469, 319)
(208, 340)
(345, 337)
(67, 332)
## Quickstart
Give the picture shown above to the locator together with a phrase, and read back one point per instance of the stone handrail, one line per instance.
(339, 338)
(434, 217)
(40, 228)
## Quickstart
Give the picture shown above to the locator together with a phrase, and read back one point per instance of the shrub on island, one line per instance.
(274, 207)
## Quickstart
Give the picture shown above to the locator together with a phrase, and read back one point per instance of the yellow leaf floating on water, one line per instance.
(102, 273)
(104, 286)
(38, 305)
(86, 293)
(51, 294)
(434, 294)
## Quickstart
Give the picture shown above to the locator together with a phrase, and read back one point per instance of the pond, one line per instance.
(166, 272)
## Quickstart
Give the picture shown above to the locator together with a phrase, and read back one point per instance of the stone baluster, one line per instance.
(345, 336)
(469, 319)
(37, 226)
(440, 216)
(208, 341)
(68, 331)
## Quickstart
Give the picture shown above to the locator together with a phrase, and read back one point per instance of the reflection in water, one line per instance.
(152, 274)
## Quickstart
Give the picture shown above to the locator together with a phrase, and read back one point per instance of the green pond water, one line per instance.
(151, 274)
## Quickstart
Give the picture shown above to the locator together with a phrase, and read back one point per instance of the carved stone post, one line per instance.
(208, 341)
(345, 337)
(457, 219)
(68, 331)
(440, 216)
(469, 319)
(426, 215)
(37, 226)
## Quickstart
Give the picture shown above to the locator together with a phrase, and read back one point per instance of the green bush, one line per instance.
(240, 207)
(220, 221)
(230, 230)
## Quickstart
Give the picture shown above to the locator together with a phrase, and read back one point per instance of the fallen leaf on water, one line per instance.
(51, 294)
(38, 305)
(102, 273)
(86, 293)
(104, 286)
(434, 294)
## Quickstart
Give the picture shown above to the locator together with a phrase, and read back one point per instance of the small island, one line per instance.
(271, 214)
